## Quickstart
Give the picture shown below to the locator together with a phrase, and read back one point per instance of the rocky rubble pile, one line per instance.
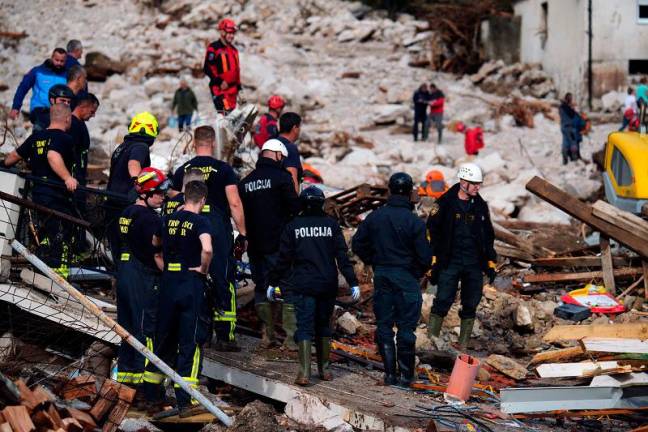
(525, 78)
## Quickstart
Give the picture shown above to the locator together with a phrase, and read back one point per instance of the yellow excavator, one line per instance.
(625, 164)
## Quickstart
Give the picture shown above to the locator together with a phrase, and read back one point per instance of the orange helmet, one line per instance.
(434, 175)
(227, 25)
(151, 180)
(276, 102)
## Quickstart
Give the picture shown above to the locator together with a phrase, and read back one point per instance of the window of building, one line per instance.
(621, 169)
(637, 66)
(544, 24)
(642, 11)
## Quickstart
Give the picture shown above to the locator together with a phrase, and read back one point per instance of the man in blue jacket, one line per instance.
(74, 53)
(39, 80)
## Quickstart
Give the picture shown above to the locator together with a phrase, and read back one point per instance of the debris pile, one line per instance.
(527, 79)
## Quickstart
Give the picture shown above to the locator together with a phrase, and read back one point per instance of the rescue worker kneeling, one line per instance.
(139, 270)
(184, 318)
(312, 245)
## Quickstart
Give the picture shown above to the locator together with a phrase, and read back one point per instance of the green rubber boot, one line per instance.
(303, 376)
(289, 324)
(323, 350)
(264, 311)
(434, 325)
(465, 331)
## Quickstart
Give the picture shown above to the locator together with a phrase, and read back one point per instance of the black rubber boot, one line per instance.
(406, 362)
(388, 354)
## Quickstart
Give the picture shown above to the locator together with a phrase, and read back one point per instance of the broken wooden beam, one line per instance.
(626, 220)
(578, 332)
(606, 264)
(581, 261)
(511, 238)
(558, 355)
(580, 277)
(584, 212)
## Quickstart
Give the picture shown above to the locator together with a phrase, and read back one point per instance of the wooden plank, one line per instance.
(558, 355)
(577, 332)
(581, 261)
(581, 276)
(83, 418)
(70, 424)
(606, 264)
(116, 416)
(513, 239)
(5, 427)
(621, 218)
(644, 266)
(583, 211)
(566, 370)
(18, 418)
(615, 345)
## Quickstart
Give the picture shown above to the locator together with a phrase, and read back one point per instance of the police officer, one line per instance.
(313, 248)
(270, 202)
(462, 239)
(183, 315)
(139, 270)
(126, 163)
(50, 154)
(392, 239)
(223, 202)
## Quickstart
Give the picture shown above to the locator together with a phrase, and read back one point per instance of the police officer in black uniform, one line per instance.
(223, 201)
(313, 248)
(183, 319)
(50, 154)
(392, 239)
(139, 271)
(462, 238)
(270, 202)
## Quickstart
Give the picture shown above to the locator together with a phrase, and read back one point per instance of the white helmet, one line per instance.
(275, 145)
(470, 172)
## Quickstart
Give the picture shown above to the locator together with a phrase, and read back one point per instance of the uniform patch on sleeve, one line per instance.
(210, 56)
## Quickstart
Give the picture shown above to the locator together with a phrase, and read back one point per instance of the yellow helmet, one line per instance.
(144, 123)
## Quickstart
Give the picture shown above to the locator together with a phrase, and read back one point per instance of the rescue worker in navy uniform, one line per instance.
(177, 202)
(393, 241)
(50, 154)
(270, 202)
(313, 248)
(462, 240)
(126, 163)
(183, 319)
(222, 67)
(223, 202)
(139, 271)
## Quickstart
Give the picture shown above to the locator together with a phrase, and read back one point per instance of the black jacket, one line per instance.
(134, 147)
(440, 227)
(393, 236)
(269, 202)
(312, 249)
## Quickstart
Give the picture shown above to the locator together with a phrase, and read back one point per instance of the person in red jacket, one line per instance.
(222, 68)
(268, 126)
(437, 100)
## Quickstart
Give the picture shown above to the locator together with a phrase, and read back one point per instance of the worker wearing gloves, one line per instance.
(270, 202)
(392, 239)
(183, 322)
(462, 240)
(223, 203)
(139, 271)
(312, 245)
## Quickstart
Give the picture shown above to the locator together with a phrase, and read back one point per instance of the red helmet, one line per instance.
(227, 25)
(276, 102)
(151, 180)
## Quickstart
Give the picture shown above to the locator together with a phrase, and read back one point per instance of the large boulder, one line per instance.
(99, 66)
(389, 113)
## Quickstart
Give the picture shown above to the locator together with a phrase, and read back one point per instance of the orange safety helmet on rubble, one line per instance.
(434, 185)
(311, 175)
(276, 102)
(227, 25)
(151, 180)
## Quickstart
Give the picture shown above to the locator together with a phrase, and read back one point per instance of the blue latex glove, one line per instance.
(273, 294)
(355, 293)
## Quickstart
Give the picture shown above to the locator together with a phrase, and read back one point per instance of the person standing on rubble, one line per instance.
(139, 271)
(462, 238)
(421, 99)
(630, 109)
(74, 49)
(185, 103)
(393, 241)
(223, 203)
(222, 68)
(39, 80)
(270, 202)
(50, 154)
(312, 250)
(568, 118)
(289, 131)
(437, 103)
(126, 163)
(183, 314)
(267, 128)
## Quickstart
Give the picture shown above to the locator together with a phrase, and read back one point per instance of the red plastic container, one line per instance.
(463, 377)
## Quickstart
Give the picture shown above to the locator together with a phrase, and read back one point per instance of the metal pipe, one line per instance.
(590, 84)
(121, 332)
(33, 206)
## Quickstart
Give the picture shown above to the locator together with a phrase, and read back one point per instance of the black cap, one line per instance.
(401, 183)
(60, 90)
